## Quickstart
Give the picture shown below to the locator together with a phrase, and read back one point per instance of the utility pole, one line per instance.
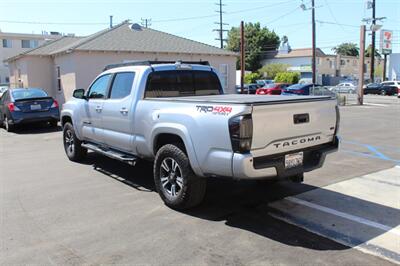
(372, 68)
(221, 24)
(111, 21)
(242, 58)
(146, 22)
(313, 65)
(361, 66)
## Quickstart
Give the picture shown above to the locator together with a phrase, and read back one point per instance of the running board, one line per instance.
(123, 157)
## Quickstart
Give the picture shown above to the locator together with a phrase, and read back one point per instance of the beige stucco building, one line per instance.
(63, 65)
(330, 68)
(15, 43)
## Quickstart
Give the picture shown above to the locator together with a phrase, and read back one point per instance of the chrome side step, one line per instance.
(123, 157)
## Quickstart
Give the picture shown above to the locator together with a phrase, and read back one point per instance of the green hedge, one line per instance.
(287, 77)
(251, 78)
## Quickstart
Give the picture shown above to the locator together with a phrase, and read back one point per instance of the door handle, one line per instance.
(124, 111)
(98, 109)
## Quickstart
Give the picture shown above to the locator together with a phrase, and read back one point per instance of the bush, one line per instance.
(287, 77)
(251, 78)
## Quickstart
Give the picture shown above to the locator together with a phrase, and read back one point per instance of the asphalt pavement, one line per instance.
(101, 211)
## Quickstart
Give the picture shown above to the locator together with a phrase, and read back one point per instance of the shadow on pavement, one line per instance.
(244, 204)
(35, 129)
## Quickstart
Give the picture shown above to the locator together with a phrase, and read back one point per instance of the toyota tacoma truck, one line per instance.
(177, 115)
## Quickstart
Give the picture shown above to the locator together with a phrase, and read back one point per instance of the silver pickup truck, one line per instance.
(177, 115)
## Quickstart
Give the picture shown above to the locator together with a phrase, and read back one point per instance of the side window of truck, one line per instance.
(98, 90)
(122, 85)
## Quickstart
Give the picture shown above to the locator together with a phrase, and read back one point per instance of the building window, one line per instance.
(223, 70)
(7, 79)
(7, 43)
(58, 78)
(331, 64)
(318, 61)
(29, 43)
(342, 62)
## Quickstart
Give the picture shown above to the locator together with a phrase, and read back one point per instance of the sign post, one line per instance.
(386, 47)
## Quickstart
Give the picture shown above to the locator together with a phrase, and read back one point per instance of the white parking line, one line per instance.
(345, 215)
(376, 104)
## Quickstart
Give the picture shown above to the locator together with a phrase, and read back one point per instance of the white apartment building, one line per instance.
(12, 44)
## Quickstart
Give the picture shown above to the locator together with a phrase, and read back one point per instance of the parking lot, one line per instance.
(54, 211)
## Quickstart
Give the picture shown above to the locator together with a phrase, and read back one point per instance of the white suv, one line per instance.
(393, 83)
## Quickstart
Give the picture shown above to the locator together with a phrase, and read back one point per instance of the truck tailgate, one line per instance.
(285, 127)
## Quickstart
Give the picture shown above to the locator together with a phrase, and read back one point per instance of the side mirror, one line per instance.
(79, 94)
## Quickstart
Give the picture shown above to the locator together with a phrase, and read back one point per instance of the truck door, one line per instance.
(118, 113)
(92, 128)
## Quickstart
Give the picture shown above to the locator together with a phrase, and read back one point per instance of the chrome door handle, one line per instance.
(124, 111)
(98, 108)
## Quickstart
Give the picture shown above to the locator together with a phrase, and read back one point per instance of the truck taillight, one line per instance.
(337, 120)
(241, 132)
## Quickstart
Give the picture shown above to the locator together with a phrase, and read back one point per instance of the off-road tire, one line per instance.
(193, 187)
(74, 150)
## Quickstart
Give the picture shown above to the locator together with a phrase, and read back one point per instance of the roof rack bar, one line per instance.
(149, 63)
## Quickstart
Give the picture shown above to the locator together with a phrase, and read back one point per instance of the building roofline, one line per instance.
(15, 57)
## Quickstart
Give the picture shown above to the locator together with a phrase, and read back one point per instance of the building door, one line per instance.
(92, 125)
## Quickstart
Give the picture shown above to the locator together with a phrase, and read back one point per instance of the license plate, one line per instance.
(36, 107)
(293, 160)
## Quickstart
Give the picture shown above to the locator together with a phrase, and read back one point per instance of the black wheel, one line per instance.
(72, 145)
(383, 92)
(9, 127)
(175, 181)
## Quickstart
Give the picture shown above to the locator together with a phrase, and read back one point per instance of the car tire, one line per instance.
(175, 181)
(383, 92)
(7, 125)
(72, 145)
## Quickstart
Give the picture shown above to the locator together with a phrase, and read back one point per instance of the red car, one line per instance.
(272, 89)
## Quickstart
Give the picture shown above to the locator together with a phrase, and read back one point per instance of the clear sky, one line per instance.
(194, 19)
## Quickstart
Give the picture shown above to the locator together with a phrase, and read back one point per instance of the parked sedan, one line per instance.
(373, 88)
(31, 105)
(272, 89)
(248, 88)
(300, 89)
(345, 87)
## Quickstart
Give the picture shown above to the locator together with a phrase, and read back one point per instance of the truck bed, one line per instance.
(245, 99)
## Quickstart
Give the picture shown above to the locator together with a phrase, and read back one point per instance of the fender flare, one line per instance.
(183, 133)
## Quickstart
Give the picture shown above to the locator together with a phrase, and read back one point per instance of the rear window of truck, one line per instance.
(182, 83)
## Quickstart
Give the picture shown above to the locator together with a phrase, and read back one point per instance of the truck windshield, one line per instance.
(182, 83)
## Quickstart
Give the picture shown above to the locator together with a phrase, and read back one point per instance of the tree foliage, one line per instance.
(368, 52)
(287, 77)
(269, 71)
(257, 41)
(347, 48)
(251, 77)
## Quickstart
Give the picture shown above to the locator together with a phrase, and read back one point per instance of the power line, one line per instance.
(335, 23)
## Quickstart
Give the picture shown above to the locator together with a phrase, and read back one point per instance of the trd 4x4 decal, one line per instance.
(216, 110)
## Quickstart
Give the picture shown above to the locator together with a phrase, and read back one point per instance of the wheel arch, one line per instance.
(172, 134)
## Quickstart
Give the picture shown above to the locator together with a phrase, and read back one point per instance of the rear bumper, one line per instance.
(21, 118)
(245, 166)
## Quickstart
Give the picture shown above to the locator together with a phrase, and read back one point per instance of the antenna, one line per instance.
(146, 22)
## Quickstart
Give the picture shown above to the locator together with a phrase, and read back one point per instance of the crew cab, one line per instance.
(177, 115)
